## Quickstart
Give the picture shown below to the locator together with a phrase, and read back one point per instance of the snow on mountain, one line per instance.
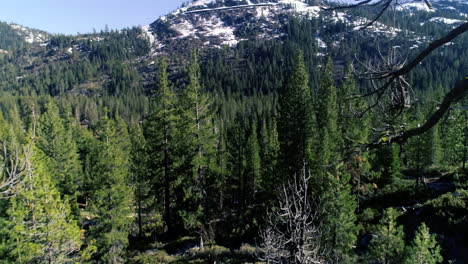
(446, 20)
(415, 5)
(216, 23)
(30, 35)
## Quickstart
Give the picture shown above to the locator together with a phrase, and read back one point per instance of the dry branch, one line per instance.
(15, 165)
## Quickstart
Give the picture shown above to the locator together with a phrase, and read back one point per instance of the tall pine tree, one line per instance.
(197, 133)
(55, 140)
(328, 141)
(112, 202)
(295, 119)
(160, 130)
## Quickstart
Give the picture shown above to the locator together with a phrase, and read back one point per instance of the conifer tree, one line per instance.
(253, 165)
(42, 229)
(434, 141)
(423, 151)
(269, 150)
(139, 176)
(295, 119)
(340, 218)
(326, 115)
(236, 150)
(112, 201)
(354, 130)
(424, 248)
(455, 135)
(387, 161)
(387, 244)
(55, 140)
(219, 186)
(160, 130)
(197, 133)
(15, 121)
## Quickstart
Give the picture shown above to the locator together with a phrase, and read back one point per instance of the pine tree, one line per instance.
(354, 130)
(111, 202)
(220, 171)
(15, 121)
(253, 165)
(236, 150)
(160, 130)
(455, 135)
(139, 177)
(197, 132)
(424, 248)
(295, 119)
(353, 127)
(42, 228)
(387, 244)
(269, 150)
(387, 161)
(328, 140)
(55, 140)
(339, 219)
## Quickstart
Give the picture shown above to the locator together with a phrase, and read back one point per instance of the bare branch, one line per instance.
(432, 46)
(292, 234)
(456, 94)
(15, 166)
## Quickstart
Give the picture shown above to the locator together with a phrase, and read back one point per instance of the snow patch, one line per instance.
(321, 43)
(302, 7)
(420, 6)
(148, 34)
(29, 35)
(446, 20)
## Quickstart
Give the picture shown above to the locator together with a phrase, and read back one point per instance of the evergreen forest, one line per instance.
(262, 152)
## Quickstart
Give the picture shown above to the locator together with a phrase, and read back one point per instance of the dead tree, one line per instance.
(292, 235)
(15, 165)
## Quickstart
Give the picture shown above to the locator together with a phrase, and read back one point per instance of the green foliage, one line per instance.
(424, 248)
(158, 257)
(387, 161)
(55, 140)
(295, 119)
(210, 155)
(339, 218)
(424, 151)
(253, 163)
(269, 152)
(40, 225)
(196, 134)
(354, 129)
(163, 137)
(111, 202)
(452, 207)
(387, 244)
(327, 142)
(455, 134)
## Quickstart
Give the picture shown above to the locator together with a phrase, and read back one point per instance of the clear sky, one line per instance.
(72, 16)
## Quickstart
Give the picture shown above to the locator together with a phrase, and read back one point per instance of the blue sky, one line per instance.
(72, 16)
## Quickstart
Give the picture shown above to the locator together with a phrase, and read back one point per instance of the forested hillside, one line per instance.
(149, 145)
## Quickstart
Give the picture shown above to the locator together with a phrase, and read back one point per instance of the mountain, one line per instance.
(215, 23)
(211, 141)
(248, 37)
